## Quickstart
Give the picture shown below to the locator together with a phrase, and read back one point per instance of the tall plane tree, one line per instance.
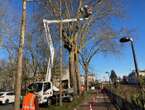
(77, 35)
(103, 44)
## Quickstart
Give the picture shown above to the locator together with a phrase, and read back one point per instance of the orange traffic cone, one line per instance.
(91, 107)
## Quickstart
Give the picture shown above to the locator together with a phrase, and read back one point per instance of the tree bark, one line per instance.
(73, 82)
(77, 71)
(20, 59)
(86, 76)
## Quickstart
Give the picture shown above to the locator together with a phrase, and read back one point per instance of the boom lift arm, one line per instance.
(51, 48)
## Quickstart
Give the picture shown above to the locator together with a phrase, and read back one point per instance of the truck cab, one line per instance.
(44, 91)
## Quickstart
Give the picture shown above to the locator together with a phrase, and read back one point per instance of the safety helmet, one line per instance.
(31, 89)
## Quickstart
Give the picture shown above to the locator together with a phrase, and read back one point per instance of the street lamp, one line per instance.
(130, 39)
(108, 76)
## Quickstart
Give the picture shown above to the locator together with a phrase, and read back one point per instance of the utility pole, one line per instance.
(18, 77)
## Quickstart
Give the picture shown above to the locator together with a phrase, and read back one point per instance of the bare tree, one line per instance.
(9, 37)
(77, 35)
(20, 58)
(104, 43)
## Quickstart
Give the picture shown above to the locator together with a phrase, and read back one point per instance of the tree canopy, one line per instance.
(113, 76)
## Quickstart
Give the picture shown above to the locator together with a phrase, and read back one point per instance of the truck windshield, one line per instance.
(47, 86)
(65, 84)
(36, 86)
(1, 94)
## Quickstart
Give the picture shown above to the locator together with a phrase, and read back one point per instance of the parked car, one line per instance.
(7, 97)
(67, 98)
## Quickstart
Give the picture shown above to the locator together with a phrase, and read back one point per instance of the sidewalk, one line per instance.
(96, 102)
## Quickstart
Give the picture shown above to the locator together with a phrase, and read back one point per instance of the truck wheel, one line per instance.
(49, 102)
(7, 101)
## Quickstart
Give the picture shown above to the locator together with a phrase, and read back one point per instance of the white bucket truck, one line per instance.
(46, 91)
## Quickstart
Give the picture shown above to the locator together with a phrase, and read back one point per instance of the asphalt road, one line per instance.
(6, 107)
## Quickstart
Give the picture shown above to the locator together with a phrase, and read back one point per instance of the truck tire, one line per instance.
(7, 101)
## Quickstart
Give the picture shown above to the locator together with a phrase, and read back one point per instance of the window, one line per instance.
(36, 86)
(65, 84)
(1, 94)
(46, 86)
(11, 93)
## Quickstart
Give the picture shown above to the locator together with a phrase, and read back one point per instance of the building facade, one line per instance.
(132, 79)
(91, 79)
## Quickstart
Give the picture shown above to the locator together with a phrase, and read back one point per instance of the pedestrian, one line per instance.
(30, 101)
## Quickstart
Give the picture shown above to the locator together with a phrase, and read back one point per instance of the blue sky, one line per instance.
(122, 64)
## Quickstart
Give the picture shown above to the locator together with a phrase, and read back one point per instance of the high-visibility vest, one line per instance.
(29, 102)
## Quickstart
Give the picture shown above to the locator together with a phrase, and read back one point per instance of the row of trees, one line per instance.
(82, 40)
(79, 38)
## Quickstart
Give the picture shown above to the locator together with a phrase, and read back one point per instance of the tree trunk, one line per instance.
(86, 76)
(77, 71)
(73, 82)
(20, 58)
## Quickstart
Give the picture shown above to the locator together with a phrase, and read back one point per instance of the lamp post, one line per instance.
(129, 39)
(108, 75)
